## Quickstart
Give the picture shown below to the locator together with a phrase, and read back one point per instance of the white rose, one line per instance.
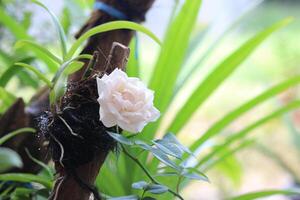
(125, 101)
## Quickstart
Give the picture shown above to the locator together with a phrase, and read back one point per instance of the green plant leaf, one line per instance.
(219, 74)
(10, 135)
(40, 163)
(116, 25)
(192, 173)
(171, 58)
(16, 28)
(8, 159)
(227, 153)
(157, 189)
(133, 67)
(141, 185)
(25, 178)
(33, 45)
(39, 74)
(266, 193)
(164, 159)
(73, 67)
(120, 138)
(169, 148)
(218, 126)
(241, 134)
(58, 26)
(131, 197)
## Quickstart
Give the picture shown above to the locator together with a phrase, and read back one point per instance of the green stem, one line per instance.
(147, 172)
(178, 184)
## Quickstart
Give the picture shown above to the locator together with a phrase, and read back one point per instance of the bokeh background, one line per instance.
(272, 164)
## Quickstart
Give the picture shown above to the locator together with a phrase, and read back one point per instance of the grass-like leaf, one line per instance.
(17, 29)
(58, 26)
(109, 27)
(25, 178)
(38, 47)
(219, 75)
(14, 133)
(171, 58)
(267, 193)
(230, 117)
(228, 153)
(241, 134)
(39, 74)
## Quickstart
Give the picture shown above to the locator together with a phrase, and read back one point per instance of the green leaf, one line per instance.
(73, 67)
(10, 135)
(266, 193)
(133, 67)
(116, 25)
(58, 26)
(120, 138)
(66, 65)
(243, 133)
(219, 74)
(169, 148)
(218, 126)
(25, 178)
(157, 189)
(192, 173)
(171, 58)
(38, 47)
(9, 159)
(227, 153)
(164, 159)
(141, 185)
(40, 163)
(131, 197)
(16, 28)
(39, 74)
(171, 138)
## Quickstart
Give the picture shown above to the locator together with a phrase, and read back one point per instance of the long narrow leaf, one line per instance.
(217, 76)
(17, 29)
(230, 117)
(36, 72)
(25, 178)
(267, 193)
(38, 47)
(227, 154)
(14, 133)
(58, 26)
(172, 54)
(109, 27)
(241, 134)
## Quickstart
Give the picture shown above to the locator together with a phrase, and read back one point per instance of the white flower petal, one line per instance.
(125, 101)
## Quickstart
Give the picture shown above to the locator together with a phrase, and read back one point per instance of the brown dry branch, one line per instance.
(78, 140)
(18, 116)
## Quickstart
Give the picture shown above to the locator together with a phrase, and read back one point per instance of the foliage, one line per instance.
(146, 166)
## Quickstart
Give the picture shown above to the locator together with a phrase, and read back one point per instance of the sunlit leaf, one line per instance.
(58, 26)
(39, 74)
(220, 74)
(267, 193)
(116, 25)
(120, 138)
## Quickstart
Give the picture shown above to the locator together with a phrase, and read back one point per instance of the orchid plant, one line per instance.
(126, 103)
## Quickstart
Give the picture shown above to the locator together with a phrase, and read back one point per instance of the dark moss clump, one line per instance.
(74, 131)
